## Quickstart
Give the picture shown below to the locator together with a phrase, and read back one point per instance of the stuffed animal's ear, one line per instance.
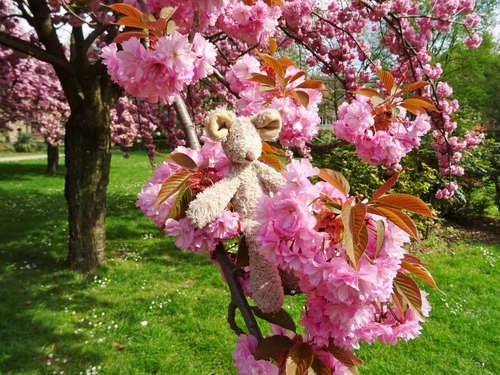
(268, 123)
(218, 124)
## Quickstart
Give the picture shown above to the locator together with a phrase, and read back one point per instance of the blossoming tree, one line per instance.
(344, 252)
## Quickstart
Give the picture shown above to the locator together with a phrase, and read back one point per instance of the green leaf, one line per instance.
(346, 357)
(183, 160)
(380, 236)
(181, 204)
(166, 13)
(407, 202)
(410, 292)
(336, 179)
(272, 346)
(171, 27)
(242, 259)
(172, 185)
(280, 318)
(299, 359)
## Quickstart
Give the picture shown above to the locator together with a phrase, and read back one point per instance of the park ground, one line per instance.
(157, 310)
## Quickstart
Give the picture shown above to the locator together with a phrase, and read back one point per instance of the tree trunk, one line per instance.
(88, 158)
(52, 160)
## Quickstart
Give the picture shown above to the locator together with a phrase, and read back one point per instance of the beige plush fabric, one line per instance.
(248, 178)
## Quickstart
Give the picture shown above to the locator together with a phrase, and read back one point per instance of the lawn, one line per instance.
(157, 310)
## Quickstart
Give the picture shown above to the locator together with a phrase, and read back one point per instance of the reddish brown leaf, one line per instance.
(262, 79)
(313, 84)
(272, 46)
(407, 202)
(318, 368)
(387, 79)
(353, 218)
(387, 185)
(302, 96)
(120, 38)
(126, 9)
(299, 359)
(286, 62)
(420, 272)
(347, 358)
(172, 185)
(367, 91)
(270, 149)
(280, 318)
(398, 301)
(181, 204)
(132, 22)
(159, 25)
(183, 160)
(118, 346)
(410, 292)
(420, 103)
(336, 179)
(273, 64)
(274, 161)
(272, 346)
(397, 217)
(296, 76)
(413, 86)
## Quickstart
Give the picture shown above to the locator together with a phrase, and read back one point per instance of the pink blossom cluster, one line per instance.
(246, 364)
(163, 72)
(300, 124)
(213, 165)
(300, 234)
(251, 24)
(449, 149)
(379, 143)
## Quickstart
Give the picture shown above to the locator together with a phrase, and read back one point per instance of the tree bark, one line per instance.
(52, 160)
(88, 158)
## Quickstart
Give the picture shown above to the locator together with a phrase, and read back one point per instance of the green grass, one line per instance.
(53, 320)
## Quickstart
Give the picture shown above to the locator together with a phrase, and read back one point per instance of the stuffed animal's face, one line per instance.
(241, 137)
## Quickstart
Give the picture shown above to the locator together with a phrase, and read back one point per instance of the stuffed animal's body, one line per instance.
(248, 178)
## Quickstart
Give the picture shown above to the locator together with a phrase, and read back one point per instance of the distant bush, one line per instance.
(26, 142)
(6, 146)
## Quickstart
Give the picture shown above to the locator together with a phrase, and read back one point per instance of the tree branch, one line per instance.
(237, 295)
(37, 52)
(187, 124)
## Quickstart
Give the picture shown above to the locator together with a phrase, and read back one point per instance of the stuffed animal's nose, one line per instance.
(250, 156)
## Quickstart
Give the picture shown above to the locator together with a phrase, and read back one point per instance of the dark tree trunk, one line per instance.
(52, 160)
(88, 157)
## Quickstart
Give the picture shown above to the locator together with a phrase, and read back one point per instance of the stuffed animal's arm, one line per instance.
(269, 176)
(211, 202)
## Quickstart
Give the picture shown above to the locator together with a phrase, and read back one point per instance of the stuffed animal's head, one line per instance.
(242, 137)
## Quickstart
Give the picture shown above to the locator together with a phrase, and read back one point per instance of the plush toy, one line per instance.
(248, 178)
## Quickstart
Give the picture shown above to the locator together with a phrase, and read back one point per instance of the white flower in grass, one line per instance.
(144, 323)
